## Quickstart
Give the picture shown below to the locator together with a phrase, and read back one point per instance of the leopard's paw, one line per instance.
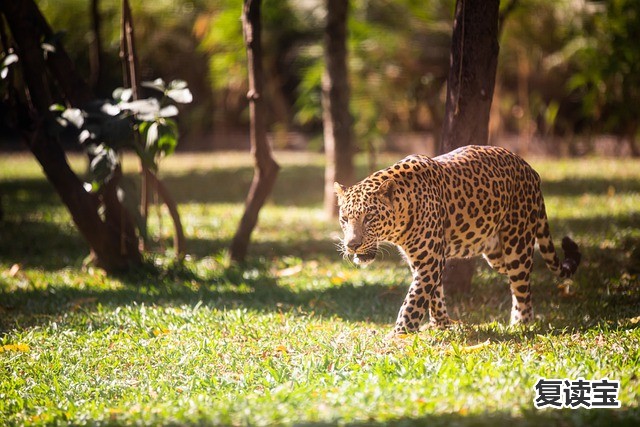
(441, 324)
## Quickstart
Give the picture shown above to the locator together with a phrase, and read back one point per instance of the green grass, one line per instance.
(297, 335)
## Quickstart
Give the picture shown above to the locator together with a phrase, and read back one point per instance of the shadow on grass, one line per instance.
(254, 286)
(41, 244)
(45, 246)
(595, 186)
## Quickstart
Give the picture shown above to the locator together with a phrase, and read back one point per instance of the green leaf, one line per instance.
(121, 94)
(144, 109)
(177, 84)
(10, 59)
(551, 113)
(75, 116)
(577, 81)
(167, 143)
(182, 96)
(168, 111)
(158, 84)
(103, 164)
(171, 124)
(57, 107)
(84, 136)
(152, 135)
(110, 109)
(143, 127)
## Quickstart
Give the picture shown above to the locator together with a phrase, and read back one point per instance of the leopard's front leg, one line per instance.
(425, 292)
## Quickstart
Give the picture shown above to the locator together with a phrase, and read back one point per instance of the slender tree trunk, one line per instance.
(338, 135)
(472, 74)
(111, 249)
(150, 182)
(266, 168)
(131, 79)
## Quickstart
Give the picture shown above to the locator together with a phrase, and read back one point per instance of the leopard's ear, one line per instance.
(386, 190)
(339, 189)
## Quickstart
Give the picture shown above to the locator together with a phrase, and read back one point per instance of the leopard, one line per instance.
(475, 200)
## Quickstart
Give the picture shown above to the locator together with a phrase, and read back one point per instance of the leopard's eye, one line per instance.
(343, 219)
(368, 218)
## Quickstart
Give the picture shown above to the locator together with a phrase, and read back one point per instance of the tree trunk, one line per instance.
(338, 139)
(472, 74)
(73, 87)
(131, 80)
(266, 168)
(179, 241)
(112, 240)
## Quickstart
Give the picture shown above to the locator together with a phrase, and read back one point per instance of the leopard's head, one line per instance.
(366, 217)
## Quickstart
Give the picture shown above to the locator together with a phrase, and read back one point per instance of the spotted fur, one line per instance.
(471, 201)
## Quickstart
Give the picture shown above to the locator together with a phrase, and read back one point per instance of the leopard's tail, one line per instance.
(572, 254)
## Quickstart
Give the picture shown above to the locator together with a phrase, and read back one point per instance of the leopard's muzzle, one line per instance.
(365, 258)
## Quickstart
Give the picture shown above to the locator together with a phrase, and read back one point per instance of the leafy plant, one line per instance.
(7, 61)
(105, 127)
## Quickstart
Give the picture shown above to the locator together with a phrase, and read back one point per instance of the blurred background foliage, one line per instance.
(568, 69)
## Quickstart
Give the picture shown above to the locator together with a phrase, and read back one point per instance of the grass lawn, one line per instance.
(297, 335)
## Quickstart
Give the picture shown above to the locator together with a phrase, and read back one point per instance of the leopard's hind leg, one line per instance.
(518, 245)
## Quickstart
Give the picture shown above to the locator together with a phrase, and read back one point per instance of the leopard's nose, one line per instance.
(354, 244)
